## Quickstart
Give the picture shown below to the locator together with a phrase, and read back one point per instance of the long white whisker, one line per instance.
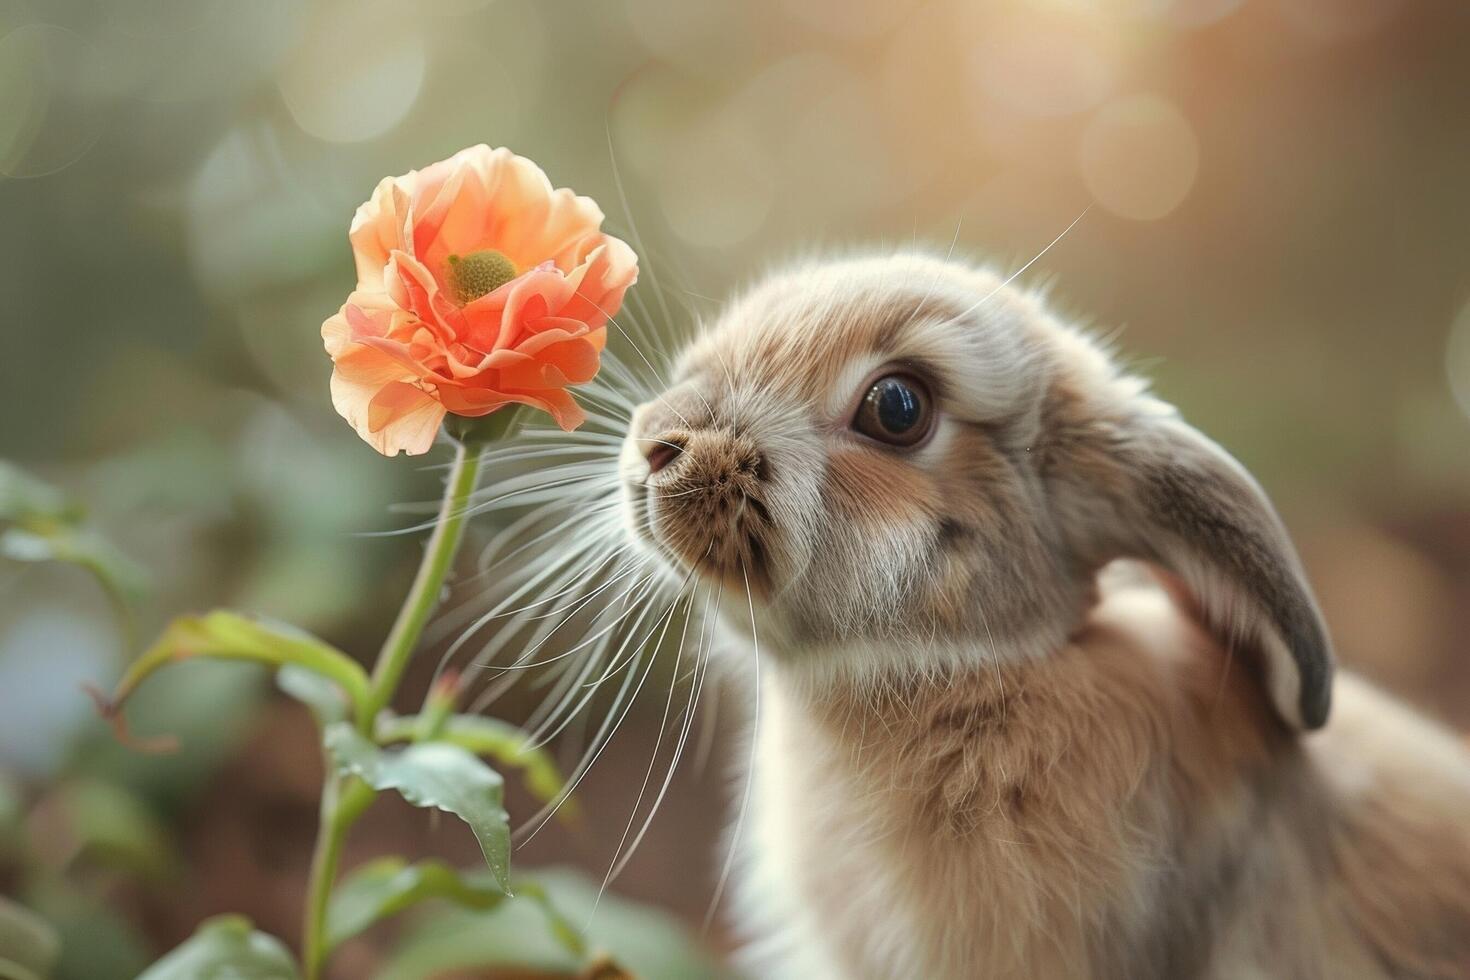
(691, 708)
(1012, 277)
(639, 351)
(617, 175)
(598, 515)
(754, 745)
(620, 860)
(522, 664)
(577, 572)
(949, 254)
(541, 735)
(470, 510)
(571, 608)
(601, 741)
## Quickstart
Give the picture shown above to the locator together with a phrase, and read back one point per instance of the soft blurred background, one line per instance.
(1279, 224)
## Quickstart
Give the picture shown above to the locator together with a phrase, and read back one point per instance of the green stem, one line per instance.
(427, 585)
(344, 800)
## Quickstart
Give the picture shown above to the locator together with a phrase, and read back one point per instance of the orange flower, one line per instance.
(478, 286)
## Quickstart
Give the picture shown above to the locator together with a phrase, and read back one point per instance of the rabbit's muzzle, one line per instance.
(704, 493)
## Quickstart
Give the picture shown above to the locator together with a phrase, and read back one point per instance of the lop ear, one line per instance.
(1176, 498)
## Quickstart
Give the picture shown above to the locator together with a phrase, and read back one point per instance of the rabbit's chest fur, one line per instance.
(927, 838)
(1057, 819)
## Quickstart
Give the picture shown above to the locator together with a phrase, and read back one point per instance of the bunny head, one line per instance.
(902, 465)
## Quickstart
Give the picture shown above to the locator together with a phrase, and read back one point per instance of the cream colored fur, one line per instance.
(975, 759)
(1112, 811)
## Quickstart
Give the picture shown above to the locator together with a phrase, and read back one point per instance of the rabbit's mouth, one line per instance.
(699, 499)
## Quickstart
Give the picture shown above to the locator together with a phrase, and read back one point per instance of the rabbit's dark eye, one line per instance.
(896, 410)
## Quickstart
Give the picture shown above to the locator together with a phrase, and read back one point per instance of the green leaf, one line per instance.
(389, 885)
(24, 499)
(231, 636)
(226, 947)
(97, 940)
(435, 775)
(107, 824)
(44, 525)
(124, 580)
(501, 741)
(28, 944)
(648, 942)
(324, 698)
(568, 936)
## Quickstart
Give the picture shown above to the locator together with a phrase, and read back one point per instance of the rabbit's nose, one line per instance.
(661, 453)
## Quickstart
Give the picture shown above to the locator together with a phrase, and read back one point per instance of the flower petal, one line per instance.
(611, 269)
(377, 229)
(413, 287)
(406, 350)
(439, 201)
(402, 417)
(556, 402)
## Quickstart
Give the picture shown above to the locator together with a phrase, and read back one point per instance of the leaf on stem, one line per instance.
(500, 740)
(123, 580)
(389, 885)
(231, 636)
(39, 523)
(100, 822)
(325, 699)
(626, 939)
(24, 498)
(435, 775)
(226, 947)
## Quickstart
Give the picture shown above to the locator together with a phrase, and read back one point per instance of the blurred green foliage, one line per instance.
(226, 948)
(390, 885)
(28, 944)
(95, 823)
(643, 942)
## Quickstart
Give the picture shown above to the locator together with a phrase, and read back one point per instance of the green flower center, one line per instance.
(479, 273)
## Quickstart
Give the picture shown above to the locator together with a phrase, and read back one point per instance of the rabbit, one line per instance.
(1040, 687)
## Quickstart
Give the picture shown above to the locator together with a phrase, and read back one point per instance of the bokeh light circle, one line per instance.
(354, 75)
(175, 52)
(1139, 157)
(1036, 66)
(720, 192)
(811, 118)
(50, 110)
(689, 34)
(252, 225)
